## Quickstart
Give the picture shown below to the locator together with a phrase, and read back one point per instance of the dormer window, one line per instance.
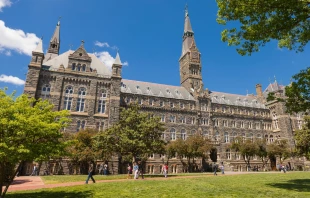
(79, 67)
(137, 87)
(84, 68)
(73, 66)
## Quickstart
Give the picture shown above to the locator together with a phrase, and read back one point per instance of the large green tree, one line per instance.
(260, 21)
(247, 149)
(29, 129)
(302, 138)
(280, 149)
(137, 134)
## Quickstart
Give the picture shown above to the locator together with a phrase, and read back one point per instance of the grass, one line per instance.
(292, 184)
(56, 179)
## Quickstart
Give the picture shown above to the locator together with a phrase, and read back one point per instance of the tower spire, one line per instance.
(54, 46)
(188, 34)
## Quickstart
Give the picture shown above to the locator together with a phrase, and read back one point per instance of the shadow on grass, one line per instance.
(300, 185)
(47, 194)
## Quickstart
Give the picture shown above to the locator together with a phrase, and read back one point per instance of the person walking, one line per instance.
(105, 169)
(129, 170)
(136, 170)
(214, 169)
(34, 172)
(101, 169)
(90, 173)
(222, 168)
(141, 169)
(165, 170)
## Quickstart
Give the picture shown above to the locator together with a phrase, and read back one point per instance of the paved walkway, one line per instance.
(35, 182)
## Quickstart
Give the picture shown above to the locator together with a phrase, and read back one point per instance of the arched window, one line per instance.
(81, 99)
(46, 89)
(251, 137)
(243, 137)
(266, 138)
(226, 137)
(73, 66)
(259, 136)
(68, 98)
(78, 125)
(234, 135)
(228, 155)
(79, 67)
(99, 126)
(275, 120)
(183, 134)
(206, 134)
(172, 134)
(84, 68)
(102, 101)
(271, 138)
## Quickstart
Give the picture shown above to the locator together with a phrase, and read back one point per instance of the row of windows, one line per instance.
(233, 110)
(250, 125)
(152, 102)
(46, 89)
(78, 67)
(81, 125)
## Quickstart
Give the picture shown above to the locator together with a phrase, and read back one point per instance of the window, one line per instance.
(103, 93)
(172, 134)
(68, 98)
(217, 137)
(163, 117)
(79, 67)
(233, 124)
(183, 134)
(275, 120)
(73, 66)
(192, 120)
(232, 111)
(226, 137)
(162, 103)
(171, 105)
(204, 121)
(99, 126)
(128, 99)
(223, 109)
(225, 123)
(271, 138)
(140, 101)
(299, 122)
(259, 136)
(101, 106)
(228, 155)
(242, 124)
(81, 100)
(84, 68)
(251, 137)
(151, 101)
(216, 123)
(234, 135)
(250, 125)
(46, 89)
(206, 134)
(182, 119)
(257, 125)
(80, 125)
(172, 118)
(181, 105)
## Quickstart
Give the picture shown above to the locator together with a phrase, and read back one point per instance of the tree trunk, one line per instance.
(10, 180)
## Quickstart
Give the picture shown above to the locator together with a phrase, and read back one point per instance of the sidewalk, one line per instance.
(35, 182)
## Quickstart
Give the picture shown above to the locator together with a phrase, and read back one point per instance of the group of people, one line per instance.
(215, 167)
(137, 170)
(103, 169)
(282, 167)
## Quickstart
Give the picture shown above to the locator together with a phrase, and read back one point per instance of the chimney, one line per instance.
(259, 90)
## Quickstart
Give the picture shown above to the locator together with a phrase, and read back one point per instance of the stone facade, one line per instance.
(79, 82)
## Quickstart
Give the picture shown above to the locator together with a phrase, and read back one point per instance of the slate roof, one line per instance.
(55, 62)
(274, 87)
(236, 100)
(157, 90)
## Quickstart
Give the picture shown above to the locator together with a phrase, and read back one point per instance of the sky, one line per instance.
(148, 35)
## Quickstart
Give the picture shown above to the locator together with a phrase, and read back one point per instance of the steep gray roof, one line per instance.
(236, 100)
(56, 34)
(273, 87)
(39, 47)
(187, 24)
(153, 89)
(117, 60)
(55, 62)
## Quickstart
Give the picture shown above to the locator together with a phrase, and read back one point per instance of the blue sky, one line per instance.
(148, 34)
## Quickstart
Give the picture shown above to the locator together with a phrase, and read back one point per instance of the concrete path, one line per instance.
(35, 182)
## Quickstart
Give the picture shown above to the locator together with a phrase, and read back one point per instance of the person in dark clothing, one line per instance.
(90, 173)
(214, 168)
(140, 169)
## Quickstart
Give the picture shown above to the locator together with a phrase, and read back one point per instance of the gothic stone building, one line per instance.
(79, 82)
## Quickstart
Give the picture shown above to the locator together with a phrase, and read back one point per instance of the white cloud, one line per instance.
(107, 59)
(11, 79)
(5, 3)
(99, 44)
(8, 53)
(17, 40)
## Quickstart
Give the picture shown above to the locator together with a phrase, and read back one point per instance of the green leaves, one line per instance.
(263, 20)
(302, 138)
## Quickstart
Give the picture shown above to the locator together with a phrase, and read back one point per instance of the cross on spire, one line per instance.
(186, 10)
(59, 20)
(82, 42)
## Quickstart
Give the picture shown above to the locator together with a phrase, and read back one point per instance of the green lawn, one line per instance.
(292, 184)
(74, 178)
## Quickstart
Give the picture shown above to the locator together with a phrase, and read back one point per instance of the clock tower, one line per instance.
(190, 63)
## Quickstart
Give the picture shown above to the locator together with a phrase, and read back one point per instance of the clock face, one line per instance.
(195, 55)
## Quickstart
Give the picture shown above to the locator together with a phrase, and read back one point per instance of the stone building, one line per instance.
(78, 81)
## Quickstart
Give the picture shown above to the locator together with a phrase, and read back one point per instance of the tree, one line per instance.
(29, 129)
(246, 148)
(302, 138)
(82, 151)
(137, 134)
(262, 152)
(298, 93)
(280, 149)
(264, 20)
